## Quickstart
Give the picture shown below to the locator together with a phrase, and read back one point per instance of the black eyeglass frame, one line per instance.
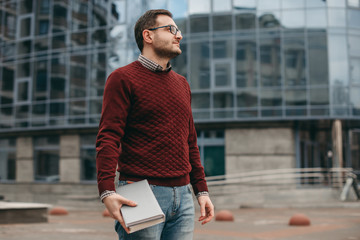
(171, 29)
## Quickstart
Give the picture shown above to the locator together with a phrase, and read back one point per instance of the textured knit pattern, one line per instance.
(149, 115)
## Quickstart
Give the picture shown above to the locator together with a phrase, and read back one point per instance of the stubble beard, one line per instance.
(166, 53)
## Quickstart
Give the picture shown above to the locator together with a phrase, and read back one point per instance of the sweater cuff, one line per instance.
(200, 187)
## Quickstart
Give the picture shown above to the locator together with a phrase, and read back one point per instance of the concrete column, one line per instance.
(337, 144)
(24, 159)
(259, 149)
(70, 162)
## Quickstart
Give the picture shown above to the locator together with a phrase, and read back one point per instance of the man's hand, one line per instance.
(206, 209)
(113, 204)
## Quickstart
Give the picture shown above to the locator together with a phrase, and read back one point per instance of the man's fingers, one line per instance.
(128, 202)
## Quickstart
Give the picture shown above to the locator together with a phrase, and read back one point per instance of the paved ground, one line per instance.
(259, 224)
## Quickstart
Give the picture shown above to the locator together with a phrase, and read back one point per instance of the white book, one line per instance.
(147, 212)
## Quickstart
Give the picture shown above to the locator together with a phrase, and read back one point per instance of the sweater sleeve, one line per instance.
(115, 108)
(197, 175)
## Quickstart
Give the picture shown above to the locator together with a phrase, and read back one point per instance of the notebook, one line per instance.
(147, 212)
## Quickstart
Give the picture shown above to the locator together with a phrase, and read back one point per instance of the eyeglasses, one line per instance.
(174, 30)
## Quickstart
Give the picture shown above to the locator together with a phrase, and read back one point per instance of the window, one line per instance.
(46, 158)
(7, 159)
(212, 152)
(88, 160)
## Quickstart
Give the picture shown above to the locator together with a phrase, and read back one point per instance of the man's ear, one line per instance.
(147, 36)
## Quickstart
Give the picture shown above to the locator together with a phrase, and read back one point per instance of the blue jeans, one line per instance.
(178, 207)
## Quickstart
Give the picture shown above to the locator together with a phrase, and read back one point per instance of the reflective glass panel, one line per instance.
(40, 81)
(118, 11)
(26, 6)
(293, 4)
(355, 100)
(338, 60)
(22, 112)
(315, 3)
(223, 100)
(10, 25)
(41, 44)
(99, 36)
(22, 91)
(271, 97)
(7, 85)
(214, 160)
(59, 17)
(245, 21)
(199, 24)
(200, 100)
(293, 19)
(340, 96)
(223, 74)
(78, 72)
(77, 108)
(270, 62)
(100, 12)
(95, 106)
(42, 27)
(200, 66)
(58, 42)
(97, 74)
(24, 47)
(88, 164)
(39, 111)
(336, 3)
(57, 109)
(337, 17)
(353, 18)
(222, 23)
(7, 164)
(318, 59)
(23, 70)
(295, 97)
(79, 15)
(222, 49)
(355, 70)
(25, 27)
(246, 58)
(47, 165)
(245, 4)
(269, 19)
(247, 98)
(198, 7)
(319, 96)
(353, 3)
(267, 5)
(79, 39)
(354, 46)
(316, 18)
(221, 5)
(294, 59)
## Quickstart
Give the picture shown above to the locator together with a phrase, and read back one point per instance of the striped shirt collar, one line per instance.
(153, 66)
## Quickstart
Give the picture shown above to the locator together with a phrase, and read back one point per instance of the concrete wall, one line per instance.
(24, 159)
(70, 162)
(259, 149)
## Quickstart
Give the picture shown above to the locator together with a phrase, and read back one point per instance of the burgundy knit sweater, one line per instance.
(147, 129)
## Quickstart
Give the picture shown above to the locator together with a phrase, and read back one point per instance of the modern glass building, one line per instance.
(270, 82)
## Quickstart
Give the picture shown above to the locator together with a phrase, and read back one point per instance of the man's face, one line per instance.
(165, 43)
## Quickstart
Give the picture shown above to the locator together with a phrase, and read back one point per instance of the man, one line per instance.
(147, 129)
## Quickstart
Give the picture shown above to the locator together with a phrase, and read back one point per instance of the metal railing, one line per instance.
(299, 177)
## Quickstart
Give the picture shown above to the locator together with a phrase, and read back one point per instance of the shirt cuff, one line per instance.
(105, 194)
(199, 194)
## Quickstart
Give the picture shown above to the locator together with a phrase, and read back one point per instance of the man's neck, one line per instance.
(163, 62)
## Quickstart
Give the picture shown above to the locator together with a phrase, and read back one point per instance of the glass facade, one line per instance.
(245, 60)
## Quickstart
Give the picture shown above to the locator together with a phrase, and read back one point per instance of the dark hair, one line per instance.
(146, 21)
